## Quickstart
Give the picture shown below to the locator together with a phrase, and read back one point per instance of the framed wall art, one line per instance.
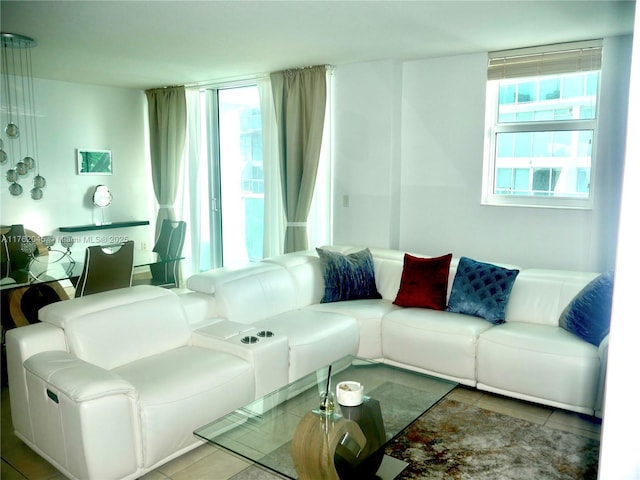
(94, 162)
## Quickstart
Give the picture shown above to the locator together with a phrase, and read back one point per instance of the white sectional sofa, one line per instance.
(528, 357)
(112, 385)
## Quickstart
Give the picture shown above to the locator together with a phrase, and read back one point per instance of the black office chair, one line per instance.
(168, 247)
(106, 268)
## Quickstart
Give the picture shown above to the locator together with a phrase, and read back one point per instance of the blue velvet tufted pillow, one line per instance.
(589, 313)
(347, 277)
(481, 289)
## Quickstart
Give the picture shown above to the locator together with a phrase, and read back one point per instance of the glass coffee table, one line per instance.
(263, 431)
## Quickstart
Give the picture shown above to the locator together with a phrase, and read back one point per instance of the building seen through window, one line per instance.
(241, 174)
(545, 162)
(541, 122)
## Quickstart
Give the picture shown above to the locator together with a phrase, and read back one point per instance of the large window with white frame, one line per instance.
(541, 125)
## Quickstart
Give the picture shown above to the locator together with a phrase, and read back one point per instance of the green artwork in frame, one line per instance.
(94, 162)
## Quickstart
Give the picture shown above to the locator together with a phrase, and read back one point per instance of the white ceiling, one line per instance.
(143, 44)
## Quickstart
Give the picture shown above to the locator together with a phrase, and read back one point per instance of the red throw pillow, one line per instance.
(424, 282)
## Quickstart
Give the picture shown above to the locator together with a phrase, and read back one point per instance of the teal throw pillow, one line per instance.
(481, 289)
(347, 277)
(589, 313)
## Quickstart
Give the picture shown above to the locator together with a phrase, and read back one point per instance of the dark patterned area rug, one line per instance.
(459, 441)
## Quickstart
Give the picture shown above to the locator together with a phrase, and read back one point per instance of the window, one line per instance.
(232, 181)
(541, 116)
(231, 185)
(241, 179)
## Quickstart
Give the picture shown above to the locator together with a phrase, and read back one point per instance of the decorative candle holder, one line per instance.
(350, 394)
(326, 398)
(327, 403)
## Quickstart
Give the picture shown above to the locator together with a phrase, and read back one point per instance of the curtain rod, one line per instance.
(227, 81)
(230, 81)
(327, 67)
(310, 66)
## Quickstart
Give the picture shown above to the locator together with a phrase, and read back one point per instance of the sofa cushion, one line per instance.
(589, 313)
(432, 341)
(182, 389)
(315, 338)
(369, 314)
(481, 289)
(539, 363)
(125, 331)
(61, 312)
(347, 276)
(388, 273)
(540, 295)
(251, 298)
(306, 272)
(208, 282)
(424, 282)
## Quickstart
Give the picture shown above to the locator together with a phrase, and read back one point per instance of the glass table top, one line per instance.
(263, 431)
(59, 265)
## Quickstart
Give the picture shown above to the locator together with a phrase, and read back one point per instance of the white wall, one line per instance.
(619, 457)
(366, 140)
(436, 198)
(77, 115)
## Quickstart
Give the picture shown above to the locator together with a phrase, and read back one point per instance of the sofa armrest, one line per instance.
(83, 416)
(22, 343)
(79, 380)
(603, 353)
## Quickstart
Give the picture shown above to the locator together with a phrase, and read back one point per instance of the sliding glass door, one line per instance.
(231, 165)
(236, 178)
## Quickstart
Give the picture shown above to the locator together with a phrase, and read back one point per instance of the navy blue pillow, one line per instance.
(481, 289)
(347, 277)
(589, 313)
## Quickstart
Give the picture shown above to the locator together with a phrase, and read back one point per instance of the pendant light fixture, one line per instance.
(18, 149)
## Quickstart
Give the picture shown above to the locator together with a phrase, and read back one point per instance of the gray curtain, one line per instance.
(299, 98)
(167, 131)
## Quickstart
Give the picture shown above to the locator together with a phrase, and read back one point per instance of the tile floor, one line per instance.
(207, 462)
